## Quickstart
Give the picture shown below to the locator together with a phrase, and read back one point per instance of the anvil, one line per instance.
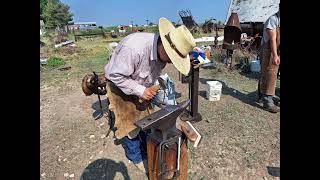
(163, 119)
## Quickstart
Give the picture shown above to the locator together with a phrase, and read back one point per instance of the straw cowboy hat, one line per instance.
(177, 43)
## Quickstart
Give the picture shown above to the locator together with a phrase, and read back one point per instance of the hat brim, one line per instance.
(182, 64)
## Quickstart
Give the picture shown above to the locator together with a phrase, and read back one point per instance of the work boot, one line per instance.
(276, 100)
(272, 109)
(268, 104)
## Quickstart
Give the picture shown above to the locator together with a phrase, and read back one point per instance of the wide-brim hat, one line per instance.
(177, 43)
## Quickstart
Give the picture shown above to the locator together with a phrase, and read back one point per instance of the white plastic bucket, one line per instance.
(213, 90)
(255, 66)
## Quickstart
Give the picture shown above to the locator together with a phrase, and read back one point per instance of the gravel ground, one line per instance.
(240, 140)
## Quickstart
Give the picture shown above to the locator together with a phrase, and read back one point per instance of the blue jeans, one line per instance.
(136, 148)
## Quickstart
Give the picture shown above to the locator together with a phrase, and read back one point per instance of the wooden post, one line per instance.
(170, 158)
(184, 161)
(153, 158)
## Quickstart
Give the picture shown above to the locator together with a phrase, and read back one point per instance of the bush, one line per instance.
(55, 62)
(153, 29)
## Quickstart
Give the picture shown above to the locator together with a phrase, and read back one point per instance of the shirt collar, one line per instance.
(154, 51)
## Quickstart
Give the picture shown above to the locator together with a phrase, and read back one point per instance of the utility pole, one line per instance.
(147, 24)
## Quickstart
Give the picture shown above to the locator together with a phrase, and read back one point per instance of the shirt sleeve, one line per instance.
(271, 23)
(121, 71)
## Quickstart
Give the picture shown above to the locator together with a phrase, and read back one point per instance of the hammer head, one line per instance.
(164, 118)
(162, 83)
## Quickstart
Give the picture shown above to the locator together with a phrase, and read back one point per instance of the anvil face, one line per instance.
(163, 119)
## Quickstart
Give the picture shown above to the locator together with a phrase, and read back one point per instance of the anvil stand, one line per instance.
(166, 145)
(192, 114)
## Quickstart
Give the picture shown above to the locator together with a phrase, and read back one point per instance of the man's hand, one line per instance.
(276, 60)
(148, 94)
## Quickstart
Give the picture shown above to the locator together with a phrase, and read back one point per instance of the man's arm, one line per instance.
(122, 68)
(273, 43)
(271, 28)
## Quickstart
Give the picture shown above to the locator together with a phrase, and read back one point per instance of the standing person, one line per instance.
(270, 61)
(134, 67)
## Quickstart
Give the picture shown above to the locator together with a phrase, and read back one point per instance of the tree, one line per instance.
(56, 14)
(43, 4)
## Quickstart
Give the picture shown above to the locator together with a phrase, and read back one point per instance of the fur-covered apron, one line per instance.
(127, 110)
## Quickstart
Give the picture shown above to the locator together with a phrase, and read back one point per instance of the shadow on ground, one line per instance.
(251, 75)
(249, 98)
(104, 169)
(105, 113)
(96, 106)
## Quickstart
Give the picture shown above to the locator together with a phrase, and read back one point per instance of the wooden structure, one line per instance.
(77, 26)
(189, 21)
(101, 33)
(232, 37)
(252, 16)
(170, 159)
(209, 26)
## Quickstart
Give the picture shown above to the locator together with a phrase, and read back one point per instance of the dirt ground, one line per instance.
(240, 140)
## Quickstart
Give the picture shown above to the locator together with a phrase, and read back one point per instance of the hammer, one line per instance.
(156, 88)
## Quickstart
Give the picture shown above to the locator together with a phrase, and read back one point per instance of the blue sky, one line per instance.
(115, 12)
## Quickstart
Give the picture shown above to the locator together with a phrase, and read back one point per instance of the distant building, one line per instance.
(81, 25)
(123, 28)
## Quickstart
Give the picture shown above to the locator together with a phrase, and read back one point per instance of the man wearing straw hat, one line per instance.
(270, 61)
(133, 68)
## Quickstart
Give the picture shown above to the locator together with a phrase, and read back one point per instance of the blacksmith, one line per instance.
(270, 61)
(134, 67)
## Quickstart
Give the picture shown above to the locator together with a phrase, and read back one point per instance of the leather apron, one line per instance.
(269, 70)
(127, 110)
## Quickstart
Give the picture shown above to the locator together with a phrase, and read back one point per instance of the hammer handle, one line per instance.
(155, 88)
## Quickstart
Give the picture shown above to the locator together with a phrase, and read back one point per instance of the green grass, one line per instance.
(55, 62)
(88, 55)
(90, 31)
